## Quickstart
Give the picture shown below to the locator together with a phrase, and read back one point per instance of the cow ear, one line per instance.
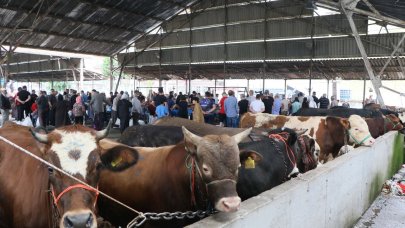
(119, 158)
(345, 123)
(191, 140)
(245, 154)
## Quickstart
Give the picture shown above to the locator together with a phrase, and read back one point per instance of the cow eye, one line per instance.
(356, 129)
(206, 170)
(50, 170)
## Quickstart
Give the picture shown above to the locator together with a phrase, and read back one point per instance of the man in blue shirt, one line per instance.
(208, 107)
(231, 110)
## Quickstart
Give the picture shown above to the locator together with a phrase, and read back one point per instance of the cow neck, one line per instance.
(290, 153)
(198, 188)
(273, 141)
(54, 215)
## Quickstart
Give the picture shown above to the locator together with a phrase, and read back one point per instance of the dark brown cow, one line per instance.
(200, 129)
(380, 126)
(329, 132)
(26, 183)
(161, 181)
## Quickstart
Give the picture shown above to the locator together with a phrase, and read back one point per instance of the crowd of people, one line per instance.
(96, 108)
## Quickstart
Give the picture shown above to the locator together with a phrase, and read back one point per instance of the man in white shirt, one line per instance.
(251, 97)
(257, 105)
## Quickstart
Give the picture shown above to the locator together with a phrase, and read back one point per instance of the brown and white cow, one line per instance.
(162, 179)
(32, 193)
(380, 126)
(329, 132)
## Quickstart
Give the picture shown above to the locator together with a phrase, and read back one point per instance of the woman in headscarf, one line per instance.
(123, 111)
(61, 111)
(78, 111)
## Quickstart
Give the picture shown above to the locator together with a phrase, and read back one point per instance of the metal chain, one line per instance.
(142, 217)
(140, 220)
(273, 141)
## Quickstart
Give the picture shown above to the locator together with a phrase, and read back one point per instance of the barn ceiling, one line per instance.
(99, 27)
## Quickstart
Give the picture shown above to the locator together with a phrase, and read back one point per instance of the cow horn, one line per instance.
(188, 135)
(42, 138)
(301, 132)
(240, 136)
(103, 133)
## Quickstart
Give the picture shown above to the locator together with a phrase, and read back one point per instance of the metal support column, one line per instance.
(285, 87)
(312, 53)
(215, 86)
(160, 57)
(80, 87)
(190, 51)
(364, 89)
(375, 81)
(264, 45)
(225, 40)
(327, 88)
(111, 74)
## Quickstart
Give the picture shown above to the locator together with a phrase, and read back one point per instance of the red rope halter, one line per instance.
(57, 198)
(290, 153)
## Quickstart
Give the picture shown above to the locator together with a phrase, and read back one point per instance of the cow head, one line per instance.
(218, 159)
(392, 122)
(307, 157)
(75, 150)
(358, 131)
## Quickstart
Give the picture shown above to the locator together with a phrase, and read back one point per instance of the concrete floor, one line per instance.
(387, 211)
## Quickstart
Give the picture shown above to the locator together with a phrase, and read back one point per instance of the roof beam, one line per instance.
(68, 19)
(117, 10)
(36, 31)
(389, 20)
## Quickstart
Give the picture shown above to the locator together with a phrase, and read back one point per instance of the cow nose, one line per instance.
(84, 220)
(229, 204)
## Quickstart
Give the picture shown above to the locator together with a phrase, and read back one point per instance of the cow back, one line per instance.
(151, 136)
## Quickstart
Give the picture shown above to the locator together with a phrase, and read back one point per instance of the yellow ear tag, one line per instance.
(249, 163)
(116, 161)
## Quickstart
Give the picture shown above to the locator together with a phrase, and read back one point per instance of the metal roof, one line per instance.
(390, 8)
(349, 68)
(31, 67)
(102, 27)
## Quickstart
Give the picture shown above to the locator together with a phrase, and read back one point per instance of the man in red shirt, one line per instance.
(221, 113)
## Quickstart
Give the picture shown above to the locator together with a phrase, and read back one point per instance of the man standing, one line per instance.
(316, 100)
(5, 106)
(43, 109)
(268, 101)
(285, 105)
(23, 98)
(257, 106)
(114, 114)
(243, 105)
(52, 104)
(231, 110)
(276, 105)
(159, 98)
(221, 113)
(96, 103)
(208, 106)
(136, 109)
(323, 102)
(251, 97)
